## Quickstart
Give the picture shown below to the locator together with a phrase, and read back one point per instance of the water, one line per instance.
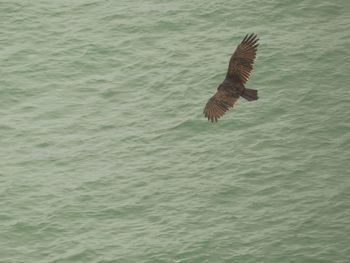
(106, 157)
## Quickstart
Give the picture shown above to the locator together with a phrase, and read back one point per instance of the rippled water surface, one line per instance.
(105, 155)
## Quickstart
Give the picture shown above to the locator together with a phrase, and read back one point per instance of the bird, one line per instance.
(233, 87)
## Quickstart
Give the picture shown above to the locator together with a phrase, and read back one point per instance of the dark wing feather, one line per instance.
(241, 62)
(219, 104)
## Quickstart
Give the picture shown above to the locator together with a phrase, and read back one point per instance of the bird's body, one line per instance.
(235, 88)
(228, 92)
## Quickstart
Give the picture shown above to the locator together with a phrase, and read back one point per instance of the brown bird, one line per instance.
(239, 69)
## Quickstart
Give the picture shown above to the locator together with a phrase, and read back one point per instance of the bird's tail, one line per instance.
(250, 94)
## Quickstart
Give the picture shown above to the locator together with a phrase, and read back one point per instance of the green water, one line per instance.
(105, 155)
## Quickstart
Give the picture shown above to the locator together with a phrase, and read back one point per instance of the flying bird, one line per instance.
(239, 69)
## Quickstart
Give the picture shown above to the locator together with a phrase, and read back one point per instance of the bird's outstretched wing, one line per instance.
(241, 62)
(219, 104)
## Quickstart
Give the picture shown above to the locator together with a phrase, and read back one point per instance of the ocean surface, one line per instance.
(105, 155)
